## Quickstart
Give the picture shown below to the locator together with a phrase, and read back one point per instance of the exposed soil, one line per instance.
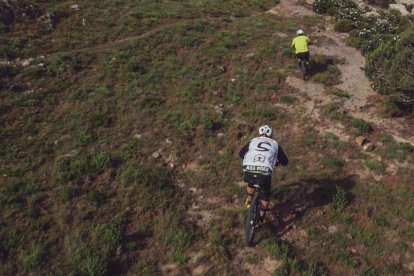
(313, 97)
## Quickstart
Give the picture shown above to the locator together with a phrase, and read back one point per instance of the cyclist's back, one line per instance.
(301, 44)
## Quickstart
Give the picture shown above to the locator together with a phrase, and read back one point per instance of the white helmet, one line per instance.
(299, 32)
(265, 130)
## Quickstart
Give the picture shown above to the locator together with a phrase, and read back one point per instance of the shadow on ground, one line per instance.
(297, 198)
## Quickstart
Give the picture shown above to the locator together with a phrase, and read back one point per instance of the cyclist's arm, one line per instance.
(281, 157)
(244, 150)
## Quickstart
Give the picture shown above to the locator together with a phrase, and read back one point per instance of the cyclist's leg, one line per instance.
(307, 56)
(265, 184)
(249, 180)
(298, 56)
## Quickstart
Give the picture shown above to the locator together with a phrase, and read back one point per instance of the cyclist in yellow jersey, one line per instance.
(300, 43)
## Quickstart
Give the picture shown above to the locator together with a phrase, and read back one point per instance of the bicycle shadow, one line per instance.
(319, 64)
(297, 198)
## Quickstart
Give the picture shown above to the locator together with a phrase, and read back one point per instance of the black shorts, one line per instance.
(304, 56)
(264, 181)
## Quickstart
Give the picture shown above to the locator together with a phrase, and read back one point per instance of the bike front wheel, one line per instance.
(252, 220)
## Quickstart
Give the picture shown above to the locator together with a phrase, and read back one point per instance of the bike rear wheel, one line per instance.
(303, 68)
(252, 219)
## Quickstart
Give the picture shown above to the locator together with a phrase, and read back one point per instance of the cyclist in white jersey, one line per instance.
(260, 157)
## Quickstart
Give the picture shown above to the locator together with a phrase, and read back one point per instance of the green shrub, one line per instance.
(287, 99)
(347, 259)
(330, 77)
(101, 161)
(331, 6)
(339, 199)
(71, 169)
(381, 221)
(275, 248)
(409, 214)
(69, 192)
(390, 109)
(33, 260)
(340, 93)
(391, 68)
(96, 197)
(382, 3)
(374, 166)
(344, 25)
(361, 125)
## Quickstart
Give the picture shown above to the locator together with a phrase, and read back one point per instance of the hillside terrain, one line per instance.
(121, 123)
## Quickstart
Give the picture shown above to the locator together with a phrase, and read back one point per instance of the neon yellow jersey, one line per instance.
(301, 44)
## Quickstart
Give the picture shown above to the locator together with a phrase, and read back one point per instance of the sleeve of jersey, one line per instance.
(281, 156)
(244, 150)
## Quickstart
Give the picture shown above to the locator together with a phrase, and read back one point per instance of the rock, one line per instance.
(137, 136)
(409, 266)
(400, 8)
(361, 140)
(221, 134)
(219, 109)
(171, 165)
(193, 190)
(70, 154)
(332, 229)
(156, 155)
(75, 7)
(41, 65)
(168, 141)
(250, 55)
(48, 22)
(380, 144)
(119, 250)
(83, 21)
(241, 184)
(233, 80)
(361, 5)
(369, 147)
(171, 158)
(405, 2)
(371, 14)
(26, 62)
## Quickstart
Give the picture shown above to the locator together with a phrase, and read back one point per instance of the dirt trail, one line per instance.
(354, 81)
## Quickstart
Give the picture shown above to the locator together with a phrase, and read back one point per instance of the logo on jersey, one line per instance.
(259, 158)
(264, 146)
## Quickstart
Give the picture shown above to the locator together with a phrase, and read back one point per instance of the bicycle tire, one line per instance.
(303, 68)
(252, 219)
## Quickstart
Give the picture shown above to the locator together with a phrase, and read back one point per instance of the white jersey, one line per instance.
(261, 156)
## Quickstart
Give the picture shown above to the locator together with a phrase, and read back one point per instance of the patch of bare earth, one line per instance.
(353, 79)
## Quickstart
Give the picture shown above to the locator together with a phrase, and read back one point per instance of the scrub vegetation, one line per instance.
(119, 146)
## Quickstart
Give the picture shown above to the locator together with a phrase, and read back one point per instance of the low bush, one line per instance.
(361, 125)
(387, 41)
(390, 109)
(344, 25)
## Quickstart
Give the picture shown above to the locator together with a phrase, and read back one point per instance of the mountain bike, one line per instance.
(304, 68)
(253, 216)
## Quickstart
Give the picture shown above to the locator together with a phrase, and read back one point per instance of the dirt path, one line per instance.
(353, 79)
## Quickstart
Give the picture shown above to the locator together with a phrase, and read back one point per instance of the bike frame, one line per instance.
(253, 216)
